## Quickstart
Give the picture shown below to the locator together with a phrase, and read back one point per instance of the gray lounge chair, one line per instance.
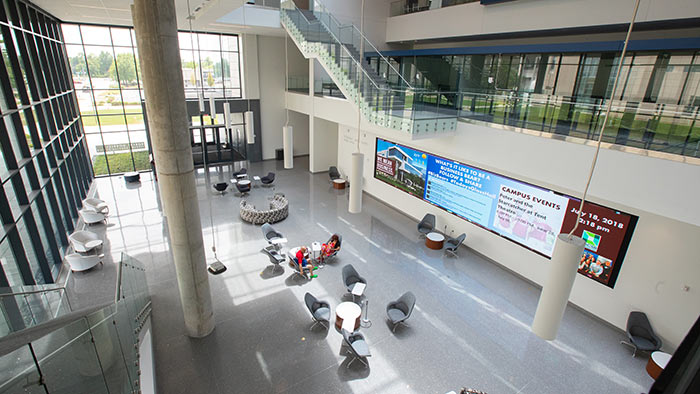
(641, 335)
(274, 255)
(320, 310)
(400, 310)
(340, 243)
(333, 173)
(427, 224)
(351, 278)
(357, 347)
(452, 244)
(271, 234)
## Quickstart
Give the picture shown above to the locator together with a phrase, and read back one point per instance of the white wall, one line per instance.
(662, 256)
(271, 93)
(271, 66)
(523, 15)
(300, 124)
(324, 145)
(376, 14)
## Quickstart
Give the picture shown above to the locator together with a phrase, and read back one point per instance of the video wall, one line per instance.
(526, 214)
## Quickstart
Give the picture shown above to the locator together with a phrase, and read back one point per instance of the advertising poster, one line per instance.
(401, 166)
(526, 214)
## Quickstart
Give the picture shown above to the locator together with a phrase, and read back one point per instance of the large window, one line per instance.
(44, 169)
(105, 68)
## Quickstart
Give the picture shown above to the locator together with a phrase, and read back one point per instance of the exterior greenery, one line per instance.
(120, 163)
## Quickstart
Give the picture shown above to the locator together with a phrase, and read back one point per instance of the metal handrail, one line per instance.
(31, 292)
(342, 46)
(368, 41)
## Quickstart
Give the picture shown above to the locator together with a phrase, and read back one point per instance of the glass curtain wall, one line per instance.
(105, 69)
(44, 168)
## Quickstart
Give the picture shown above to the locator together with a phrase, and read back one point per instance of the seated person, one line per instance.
(331, 247)
(301, 255)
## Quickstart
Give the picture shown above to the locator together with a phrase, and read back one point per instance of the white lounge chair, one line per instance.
(79, 262)
(92, 217)
(96, 205)
(85, 241)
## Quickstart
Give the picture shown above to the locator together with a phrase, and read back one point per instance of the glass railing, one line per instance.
(659, 127)
(403, 7)
(95, 353)
(326, 87)
(22, 307)
(386, 100)
(299, 84)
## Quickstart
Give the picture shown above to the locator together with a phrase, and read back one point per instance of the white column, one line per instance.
(355, 205)
(288, 140)
(557, 288)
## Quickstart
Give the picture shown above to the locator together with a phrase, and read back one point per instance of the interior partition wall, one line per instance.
(105, 70)
(44, 169)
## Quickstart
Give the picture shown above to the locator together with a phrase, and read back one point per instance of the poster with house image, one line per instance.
(401, 167)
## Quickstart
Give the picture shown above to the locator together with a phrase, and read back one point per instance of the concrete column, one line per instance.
(155, 25)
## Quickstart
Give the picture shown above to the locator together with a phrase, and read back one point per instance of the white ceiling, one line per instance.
(118, 12)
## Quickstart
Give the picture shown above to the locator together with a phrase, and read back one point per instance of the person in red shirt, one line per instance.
(303, 262)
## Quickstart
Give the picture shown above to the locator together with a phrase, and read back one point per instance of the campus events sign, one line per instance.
(523, 213)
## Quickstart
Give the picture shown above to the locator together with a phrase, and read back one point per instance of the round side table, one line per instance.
(339, 184)
(657, 362)
(349, 311)
(434, 240)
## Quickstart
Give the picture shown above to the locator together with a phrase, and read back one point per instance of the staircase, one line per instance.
(384, 100)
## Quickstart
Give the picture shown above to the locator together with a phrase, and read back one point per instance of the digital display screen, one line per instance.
(524, 213)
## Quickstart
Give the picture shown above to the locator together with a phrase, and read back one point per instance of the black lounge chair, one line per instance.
(268, 179)
(242, 171)
(220, 187)
(243, 189)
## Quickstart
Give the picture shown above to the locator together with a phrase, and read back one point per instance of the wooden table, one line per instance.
(347, 316)
(657, 362)
(434, 240)
(339, 184)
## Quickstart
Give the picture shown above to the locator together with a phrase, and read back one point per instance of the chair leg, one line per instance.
(318, 322)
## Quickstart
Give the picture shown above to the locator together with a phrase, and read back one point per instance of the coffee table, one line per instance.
(434, 240)
(347, 316)
(657, 362)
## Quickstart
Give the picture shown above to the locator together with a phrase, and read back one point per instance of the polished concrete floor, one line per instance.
(470, 327)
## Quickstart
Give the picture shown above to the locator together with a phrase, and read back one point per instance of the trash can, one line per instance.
(279, 154)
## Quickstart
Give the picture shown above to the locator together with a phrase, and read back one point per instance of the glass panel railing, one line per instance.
(19, 373)
(92, 353)
(299, 84)
(385, 99)
(22, 307)
(650, 126)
